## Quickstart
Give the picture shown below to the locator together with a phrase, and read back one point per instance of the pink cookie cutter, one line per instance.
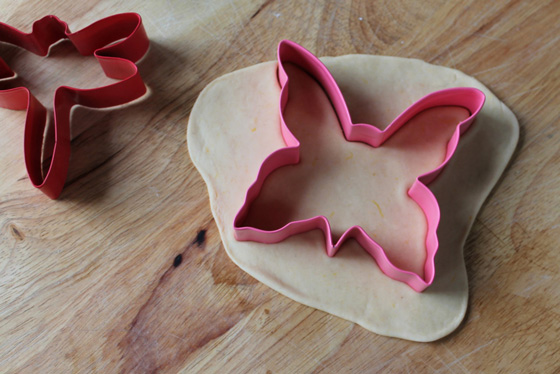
(468, 98)
(117, 42)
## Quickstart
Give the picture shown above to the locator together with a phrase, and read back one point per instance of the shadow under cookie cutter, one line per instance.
(469, 98)
(117, 42)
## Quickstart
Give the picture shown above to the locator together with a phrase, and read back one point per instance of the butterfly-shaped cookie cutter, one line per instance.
(117, 42)
(469, 98)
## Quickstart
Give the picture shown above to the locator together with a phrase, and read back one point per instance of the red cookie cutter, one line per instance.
(468, 98)
(117, 58)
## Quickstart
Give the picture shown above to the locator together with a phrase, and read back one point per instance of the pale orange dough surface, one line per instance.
(234, 126)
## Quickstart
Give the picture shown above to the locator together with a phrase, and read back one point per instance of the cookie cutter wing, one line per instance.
(117, 42)
(469, 98)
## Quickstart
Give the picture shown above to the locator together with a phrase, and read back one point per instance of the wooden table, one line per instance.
(126, 272)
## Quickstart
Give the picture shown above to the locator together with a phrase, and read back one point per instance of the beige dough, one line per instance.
(234, 126)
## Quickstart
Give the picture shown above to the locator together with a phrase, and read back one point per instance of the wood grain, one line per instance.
(126, 273)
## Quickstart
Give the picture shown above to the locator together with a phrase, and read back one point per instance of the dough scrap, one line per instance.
(234, 126)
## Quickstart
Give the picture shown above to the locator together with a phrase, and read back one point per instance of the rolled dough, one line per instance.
(234, 126)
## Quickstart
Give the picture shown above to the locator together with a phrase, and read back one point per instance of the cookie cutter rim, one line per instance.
(471, 99)
(117, 42)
